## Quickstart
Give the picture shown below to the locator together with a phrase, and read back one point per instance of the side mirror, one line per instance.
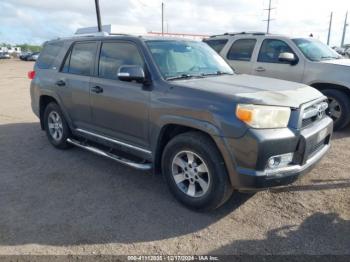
(288, 57)
(131, 73)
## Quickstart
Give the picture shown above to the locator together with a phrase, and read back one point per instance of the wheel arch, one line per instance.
(323, 86)
(44, 100)
(47, 97)
(171, 129)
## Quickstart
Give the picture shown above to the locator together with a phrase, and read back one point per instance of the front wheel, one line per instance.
(339, 107)
(195, 171)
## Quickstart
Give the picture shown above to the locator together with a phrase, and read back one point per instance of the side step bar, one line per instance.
(141, 166)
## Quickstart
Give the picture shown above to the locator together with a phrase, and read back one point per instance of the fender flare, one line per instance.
(201, 125)
(50, 93)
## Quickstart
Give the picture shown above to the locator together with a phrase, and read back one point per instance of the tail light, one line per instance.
(31, 75)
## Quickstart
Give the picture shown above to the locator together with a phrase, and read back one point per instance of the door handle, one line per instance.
(60, 83)
(260, 69)
(97, 89)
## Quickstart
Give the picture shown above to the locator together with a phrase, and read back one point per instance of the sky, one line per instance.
(35, 21)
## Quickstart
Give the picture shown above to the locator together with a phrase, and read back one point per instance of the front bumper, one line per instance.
(252, 152)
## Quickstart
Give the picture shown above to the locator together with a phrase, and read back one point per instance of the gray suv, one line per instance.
(176, 107)
(304, 60)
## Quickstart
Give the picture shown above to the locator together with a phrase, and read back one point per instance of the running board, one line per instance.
(141, 166)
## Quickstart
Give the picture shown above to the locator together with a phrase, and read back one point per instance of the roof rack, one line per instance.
(84, 35)
(240, 33)
(111, 30)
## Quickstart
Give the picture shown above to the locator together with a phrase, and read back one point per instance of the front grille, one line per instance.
(314, 113)
(308, 121)
(315, 148)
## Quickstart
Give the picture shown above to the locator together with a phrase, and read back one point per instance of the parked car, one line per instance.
(176, 107)
(33, 57)
(24, 56)
(339, 50)
(304, 60)
(5, 55)
(347, 52)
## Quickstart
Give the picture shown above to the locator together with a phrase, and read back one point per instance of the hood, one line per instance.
(256, 90)
(341, 62)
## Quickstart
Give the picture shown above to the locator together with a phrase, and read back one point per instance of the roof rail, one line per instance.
(92, 34)
(96, 34)
(240, 33)
(83, 35)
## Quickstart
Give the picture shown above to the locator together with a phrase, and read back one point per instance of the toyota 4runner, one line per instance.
(176, 107)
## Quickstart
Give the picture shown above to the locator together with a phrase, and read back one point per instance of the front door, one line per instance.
(269, 65)
(119, 109)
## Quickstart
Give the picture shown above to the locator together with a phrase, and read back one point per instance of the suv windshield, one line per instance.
(315, 50)
(183, 59)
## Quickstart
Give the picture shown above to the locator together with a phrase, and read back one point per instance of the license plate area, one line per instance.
(322, 135)
(310, 145)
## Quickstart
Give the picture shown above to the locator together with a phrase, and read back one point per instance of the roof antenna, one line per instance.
(98, 15)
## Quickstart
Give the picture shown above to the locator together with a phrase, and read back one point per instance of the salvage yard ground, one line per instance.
(74, 202)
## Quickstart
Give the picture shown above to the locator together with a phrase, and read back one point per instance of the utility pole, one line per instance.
(344, 30)
(330, 29)
(162, 19)
(269, 17)
(98, 15)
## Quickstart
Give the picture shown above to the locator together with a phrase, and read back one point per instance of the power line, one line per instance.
(330, 28)
(98, 16)
(162, 19)
(269, 19)
(344, 29)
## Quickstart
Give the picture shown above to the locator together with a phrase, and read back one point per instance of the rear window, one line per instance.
(242, 50)
(81, 59)
(217, 44)
(48, 55)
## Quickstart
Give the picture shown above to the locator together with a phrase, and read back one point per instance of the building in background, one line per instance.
(12, 50)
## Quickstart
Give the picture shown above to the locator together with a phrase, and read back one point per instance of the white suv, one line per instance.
(304, 60)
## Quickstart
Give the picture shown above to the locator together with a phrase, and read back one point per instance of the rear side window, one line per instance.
(242, 50)
(113, 55)
(217, 44)
(48, 55)
(81, 59)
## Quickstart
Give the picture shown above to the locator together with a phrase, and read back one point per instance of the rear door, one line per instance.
(73, 82)
(240, 55)
(119, 109)
(269, 65)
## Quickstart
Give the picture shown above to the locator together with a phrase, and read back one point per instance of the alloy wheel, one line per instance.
(55, 126)
(191, 174)
(334, 109)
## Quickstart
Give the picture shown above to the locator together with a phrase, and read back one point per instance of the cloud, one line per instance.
(41, 20)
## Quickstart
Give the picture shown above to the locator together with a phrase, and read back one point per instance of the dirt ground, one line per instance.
(74, 202)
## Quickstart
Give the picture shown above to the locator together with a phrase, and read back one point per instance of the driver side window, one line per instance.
(113, 55)
(271, 49)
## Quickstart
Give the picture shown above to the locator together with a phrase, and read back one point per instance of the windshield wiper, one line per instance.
(217, 73)
(329, 57)
(183, 76)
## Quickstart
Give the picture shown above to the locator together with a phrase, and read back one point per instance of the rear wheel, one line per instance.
(56, 126)
(195, 171)
(339, 107)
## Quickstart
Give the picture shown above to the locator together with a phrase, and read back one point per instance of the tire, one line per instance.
(339, 107)
(175, 161)
(56, 127)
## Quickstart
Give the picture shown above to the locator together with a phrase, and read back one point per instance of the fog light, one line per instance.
(280, 161)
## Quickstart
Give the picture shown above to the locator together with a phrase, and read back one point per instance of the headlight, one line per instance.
(258, 116)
